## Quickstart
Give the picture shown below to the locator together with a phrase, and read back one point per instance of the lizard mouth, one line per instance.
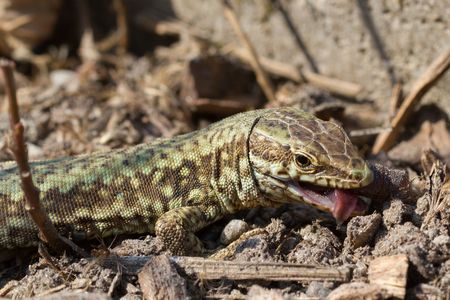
(342, 203)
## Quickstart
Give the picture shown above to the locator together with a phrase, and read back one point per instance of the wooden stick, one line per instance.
(390, 272)
(237, 270)
(332, 85)
(122, 27)
(47, 232)
(115, 283)
(336, 86)
(261, 75)
(160, 280)
(394, 102)
(386, 140)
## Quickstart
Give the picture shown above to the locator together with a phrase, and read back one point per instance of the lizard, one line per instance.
(173, 187)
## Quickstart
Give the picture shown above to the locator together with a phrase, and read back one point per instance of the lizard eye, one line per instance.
(302, 161)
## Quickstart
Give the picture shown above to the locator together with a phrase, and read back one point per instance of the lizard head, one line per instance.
(296, 157)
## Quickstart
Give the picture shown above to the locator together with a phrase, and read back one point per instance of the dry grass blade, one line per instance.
(438, 192)
(445, 197)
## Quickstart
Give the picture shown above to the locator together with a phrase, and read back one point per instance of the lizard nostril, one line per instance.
(357, 175)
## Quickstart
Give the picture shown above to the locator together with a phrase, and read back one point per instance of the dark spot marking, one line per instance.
(150, 152)
(165, 204)
(189, 164)
(40, 180)
(217, 166)
(238, 169)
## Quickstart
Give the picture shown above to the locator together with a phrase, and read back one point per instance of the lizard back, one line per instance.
(126, 190)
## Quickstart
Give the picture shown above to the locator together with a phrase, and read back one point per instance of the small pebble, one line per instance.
(130, 288)
(233, 231)
(318, 289)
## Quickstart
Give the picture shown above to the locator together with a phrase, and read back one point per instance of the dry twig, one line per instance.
(160, 280)
(49, 260)
(8, 287)
(211, 269)
(47, 232)
(52, 290)
(333, 85)
(420, 87)
(390, 272)
(395, 101)
(115, 283)
(261, 75)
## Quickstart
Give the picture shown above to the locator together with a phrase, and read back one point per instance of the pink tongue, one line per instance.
(344, 204)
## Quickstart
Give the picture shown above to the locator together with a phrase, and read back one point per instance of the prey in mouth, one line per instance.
(340, 202)
(296, 158)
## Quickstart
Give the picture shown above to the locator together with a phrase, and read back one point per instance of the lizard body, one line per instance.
(174, 187)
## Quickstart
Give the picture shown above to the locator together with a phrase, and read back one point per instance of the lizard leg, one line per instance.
(177, 227)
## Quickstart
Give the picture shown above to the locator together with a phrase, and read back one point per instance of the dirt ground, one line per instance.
(104, 98)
